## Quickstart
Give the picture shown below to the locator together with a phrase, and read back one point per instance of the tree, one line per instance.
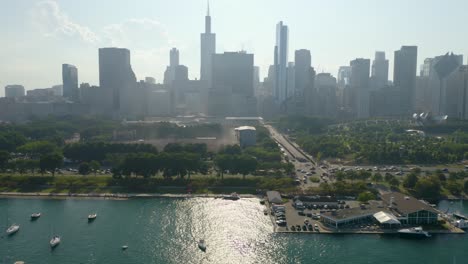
(37, 149)
(4, 157)
(365, 197)
(465, 187)
(428, 188)
(94, 166)
(454, 187)
(84, 168)
(50, 162)
(377, 177)
(410, 181)
(245, 164)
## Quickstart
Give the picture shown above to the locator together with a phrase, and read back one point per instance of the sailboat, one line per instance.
(12, 229)
(55, 241)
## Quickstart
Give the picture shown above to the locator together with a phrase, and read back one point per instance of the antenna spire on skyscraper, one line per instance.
(208, 10)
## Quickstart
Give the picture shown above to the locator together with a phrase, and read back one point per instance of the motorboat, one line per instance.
(124, 247)
(12, 229)
(35, 216)
(413, 232)
(233, 196)
(461, 223)
(54, 241)
(92, 217)
(202, 245)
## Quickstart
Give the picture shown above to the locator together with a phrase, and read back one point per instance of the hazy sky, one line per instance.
(38, 36)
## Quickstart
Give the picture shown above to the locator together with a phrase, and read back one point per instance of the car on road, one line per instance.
(309, 174)
(445, 170)
(399, 173)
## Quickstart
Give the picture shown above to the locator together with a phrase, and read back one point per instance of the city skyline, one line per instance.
(55, 24)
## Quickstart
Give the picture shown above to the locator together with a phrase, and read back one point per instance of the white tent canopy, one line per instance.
(386, 218)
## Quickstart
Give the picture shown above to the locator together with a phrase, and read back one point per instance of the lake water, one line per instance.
(167, 231)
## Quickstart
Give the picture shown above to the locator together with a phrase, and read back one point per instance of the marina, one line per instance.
(162, 227)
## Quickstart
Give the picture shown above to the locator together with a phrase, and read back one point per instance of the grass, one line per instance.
(158, 184)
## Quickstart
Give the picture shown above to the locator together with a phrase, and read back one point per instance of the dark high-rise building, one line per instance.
(232, 92)
(117, 79)
(379, 71)
(359, 83)
(304, 82)
(14, 91)
(70, 82)
(208, 48)
(281, 63)
(404, 76)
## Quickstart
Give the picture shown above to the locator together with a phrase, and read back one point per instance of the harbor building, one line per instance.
(393, 210)
(410, 210)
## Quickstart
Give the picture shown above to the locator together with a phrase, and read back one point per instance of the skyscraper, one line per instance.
(208, 48)
(169, 74)
(304, 93)
(116, 79)
(70, 82)
(359, 83)
(281, 62)
(379, 71)
(174, 57)
(404, 76)
(232, 92)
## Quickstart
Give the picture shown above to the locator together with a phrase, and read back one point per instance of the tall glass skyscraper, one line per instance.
(281, 62)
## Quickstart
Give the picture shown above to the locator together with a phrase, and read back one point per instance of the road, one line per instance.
(303, 164)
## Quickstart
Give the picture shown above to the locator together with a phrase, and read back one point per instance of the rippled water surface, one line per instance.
(167, 231)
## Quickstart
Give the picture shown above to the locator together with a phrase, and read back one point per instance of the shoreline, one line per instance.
(110, 196)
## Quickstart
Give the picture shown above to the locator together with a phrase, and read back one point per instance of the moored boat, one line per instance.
(35, 216)
(124, 247)
(413, 232)
(202, 245)
(12, 229)
(55, 241)
(92, 217)
(462, 224)
(233, 196)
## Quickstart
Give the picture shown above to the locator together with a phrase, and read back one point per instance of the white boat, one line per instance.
(414, 232)
(92, 217)
(35, 216)
(12, 229)
(124, 247)
(233, 196)
(461, 223)
(54, 241)
(202, 245)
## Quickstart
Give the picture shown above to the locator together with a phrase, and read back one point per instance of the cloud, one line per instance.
(53, 22)
(141, 33)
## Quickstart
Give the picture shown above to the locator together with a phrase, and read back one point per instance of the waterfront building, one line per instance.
(14, 91)
(70, 82)
(274, 197)
(410, 210)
